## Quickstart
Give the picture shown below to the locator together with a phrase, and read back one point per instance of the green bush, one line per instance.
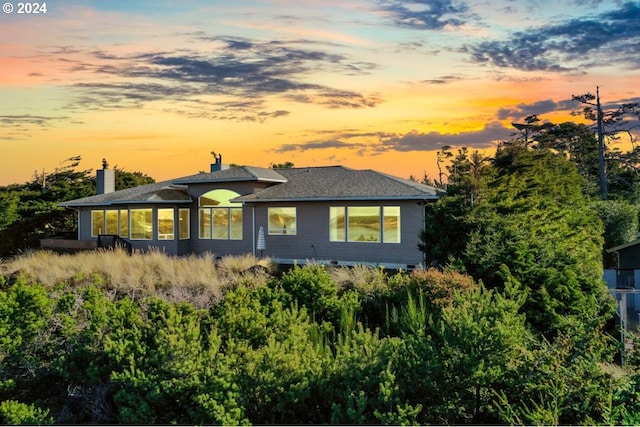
(15, 413)
(311, 286)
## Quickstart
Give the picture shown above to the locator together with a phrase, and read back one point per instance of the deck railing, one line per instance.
(112, 241)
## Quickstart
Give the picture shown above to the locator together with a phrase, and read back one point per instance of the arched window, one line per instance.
(218, 198)
(219, 217)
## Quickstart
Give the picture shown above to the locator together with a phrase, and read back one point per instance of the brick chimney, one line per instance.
(105, 179)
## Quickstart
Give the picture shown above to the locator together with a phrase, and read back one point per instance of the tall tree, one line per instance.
(608, 125)
(30, 211)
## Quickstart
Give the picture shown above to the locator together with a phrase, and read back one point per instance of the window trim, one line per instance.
(381, 218)
(210, 228)
(283, 230)
(166, 236)
(188, 223)
(131, 215)
(94, 222)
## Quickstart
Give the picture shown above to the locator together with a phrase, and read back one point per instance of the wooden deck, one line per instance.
(67, 245)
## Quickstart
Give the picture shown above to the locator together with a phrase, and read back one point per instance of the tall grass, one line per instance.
(200, 279)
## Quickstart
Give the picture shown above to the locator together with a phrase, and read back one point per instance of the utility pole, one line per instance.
(604, 191)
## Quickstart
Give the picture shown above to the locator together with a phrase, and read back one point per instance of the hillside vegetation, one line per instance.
(511, 324)
(78, 344)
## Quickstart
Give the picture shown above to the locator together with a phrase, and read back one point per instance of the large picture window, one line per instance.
(282, 221)
(219, 217)
(141, 224)
(364, 224)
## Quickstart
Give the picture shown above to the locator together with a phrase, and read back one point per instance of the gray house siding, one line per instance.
(312, 242)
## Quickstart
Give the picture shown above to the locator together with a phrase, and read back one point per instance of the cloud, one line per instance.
(319, 145)
(417, 141)
(240, 111)
(375, 143)
(573, 45)
(440, 80)
(333, 98)
(425, 14)
(235, 67)
(28, 119)
(16, 127)
(523, 109)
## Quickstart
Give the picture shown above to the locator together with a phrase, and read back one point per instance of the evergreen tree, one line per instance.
(530, 214)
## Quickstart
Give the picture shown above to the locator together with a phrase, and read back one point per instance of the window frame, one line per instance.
(282, 231)
(132, 213)
(172, 234)
(338, 234)
(181, 226)
(94, 222)
(209, 205)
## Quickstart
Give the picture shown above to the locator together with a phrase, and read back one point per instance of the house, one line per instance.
(624, 281)
(328, 214)
(627, 272)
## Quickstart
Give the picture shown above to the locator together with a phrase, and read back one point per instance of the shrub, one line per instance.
(14, 413)
(312, 287)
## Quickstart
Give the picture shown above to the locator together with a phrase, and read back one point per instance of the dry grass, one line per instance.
(199, 279)
(362, 278)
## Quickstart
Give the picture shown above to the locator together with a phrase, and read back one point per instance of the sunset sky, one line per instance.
(155, 86)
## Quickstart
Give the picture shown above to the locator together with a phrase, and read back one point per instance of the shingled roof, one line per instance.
(340, 183)
(241, 173)
(296, 184)
(158, 192)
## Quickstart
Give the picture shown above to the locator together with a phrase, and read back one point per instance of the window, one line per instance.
(124, 223)
(236, 223)
(97, 223)
(391, 224)
(141, 224)
(364, 224)
(183, 224)
(165, 224)
(336, 224)
(219, 217)
(111, 218)
(110, 221)
(282, 221)
(205, 223)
